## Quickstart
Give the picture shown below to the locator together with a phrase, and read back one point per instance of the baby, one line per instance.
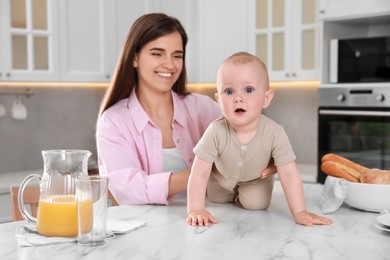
(238, 146)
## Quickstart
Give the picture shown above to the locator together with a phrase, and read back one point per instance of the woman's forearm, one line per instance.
(178, 182)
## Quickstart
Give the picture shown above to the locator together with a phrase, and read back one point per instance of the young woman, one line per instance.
(149, 123)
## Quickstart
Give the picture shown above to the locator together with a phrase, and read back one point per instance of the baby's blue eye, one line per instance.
(229, 91)
(249, 90)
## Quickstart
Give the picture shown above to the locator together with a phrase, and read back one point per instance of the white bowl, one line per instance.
(368, 197)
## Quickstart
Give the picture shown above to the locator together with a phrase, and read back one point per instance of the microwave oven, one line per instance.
(360, 60)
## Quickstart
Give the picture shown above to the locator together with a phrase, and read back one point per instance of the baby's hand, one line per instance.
(200, 218)
(308, 219)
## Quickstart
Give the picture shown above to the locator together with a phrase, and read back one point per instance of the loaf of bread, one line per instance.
(337, 170)
(375, 176)
(341, 167)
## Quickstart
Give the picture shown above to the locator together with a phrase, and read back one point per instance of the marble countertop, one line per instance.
(240, 234)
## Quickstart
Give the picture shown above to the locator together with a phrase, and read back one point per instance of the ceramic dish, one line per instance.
(384, 219)
(368, 197)
(381, 227)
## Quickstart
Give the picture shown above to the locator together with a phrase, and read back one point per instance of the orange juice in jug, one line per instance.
(58, 216)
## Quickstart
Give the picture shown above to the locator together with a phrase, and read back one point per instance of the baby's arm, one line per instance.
(293, 190)
(196, 193)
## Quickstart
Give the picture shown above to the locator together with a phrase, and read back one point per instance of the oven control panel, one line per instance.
(354, 97)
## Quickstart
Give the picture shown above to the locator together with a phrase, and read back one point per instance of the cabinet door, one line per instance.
(286, 38)
(305, 41)
(222, 31)
(29, 40)
(84, 45)
(273, 31)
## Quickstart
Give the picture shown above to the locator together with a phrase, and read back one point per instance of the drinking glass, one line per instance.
(91, 195)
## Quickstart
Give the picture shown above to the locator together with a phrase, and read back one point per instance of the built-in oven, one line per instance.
(354, 122)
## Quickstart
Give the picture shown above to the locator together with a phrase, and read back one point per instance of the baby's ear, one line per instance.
(269, 94)
(216, 96)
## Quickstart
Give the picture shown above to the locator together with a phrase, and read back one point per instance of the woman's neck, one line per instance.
(156, 103)
(159, 107)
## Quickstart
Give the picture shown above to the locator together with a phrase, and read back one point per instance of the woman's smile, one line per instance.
(165, 74)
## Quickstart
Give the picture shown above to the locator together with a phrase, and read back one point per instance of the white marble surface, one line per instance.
(240, 234)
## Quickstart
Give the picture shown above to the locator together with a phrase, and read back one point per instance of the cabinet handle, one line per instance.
(294, 74)
(8, 74)
(322, 11)
(287, 75)
(107, 76)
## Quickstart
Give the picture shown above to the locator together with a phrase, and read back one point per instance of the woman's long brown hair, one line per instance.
(144, 30)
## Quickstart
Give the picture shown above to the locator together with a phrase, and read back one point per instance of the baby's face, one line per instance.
(242, 92)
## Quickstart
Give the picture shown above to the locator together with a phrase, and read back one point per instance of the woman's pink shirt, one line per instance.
(130, 148)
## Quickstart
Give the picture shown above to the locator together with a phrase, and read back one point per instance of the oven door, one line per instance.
(361, 135)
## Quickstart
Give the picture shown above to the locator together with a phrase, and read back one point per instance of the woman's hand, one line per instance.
(200, 218)
(269, 171)
(309, 219)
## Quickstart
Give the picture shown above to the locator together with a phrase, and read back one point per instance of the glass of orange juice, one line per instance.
(91, 193)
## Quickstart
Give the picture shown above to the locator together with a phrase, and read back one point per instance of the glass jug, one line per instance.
(57, 208)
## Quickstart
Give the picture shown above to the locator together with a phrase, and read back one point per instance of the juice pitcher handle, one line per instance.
(25, 214)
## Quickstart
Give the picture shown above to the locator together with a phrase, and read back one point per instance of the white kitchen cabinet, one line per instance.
(28, 33)
(84, 45)
(84, 38)
(222, 30)
(284, 35)
(78, 40)
(91, 34)
(352, 9)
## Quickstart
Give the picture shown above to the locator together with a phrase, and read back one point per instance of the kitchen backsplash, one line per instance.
(296, 108)
(65, 118)
(57, 118)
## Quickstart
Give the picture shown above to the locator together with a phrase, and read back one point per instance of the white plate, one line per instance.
(384, 219)
(384, 228)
